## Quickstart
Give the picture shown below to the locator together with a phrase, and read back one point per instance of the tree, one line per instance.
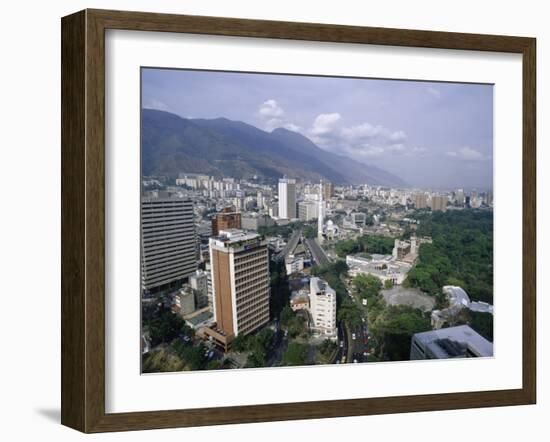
(394, 328)
(388, 284)
(194, 357)
(240, 343)
(297, 326)
(343, 248)
(165, 327)
(461, 253)
(309, 232)
(295, 354)
(350, 313)
(367, 286)
(159, 361)
(483, 324)
(327, 347)
(258, 346)
(286, 315)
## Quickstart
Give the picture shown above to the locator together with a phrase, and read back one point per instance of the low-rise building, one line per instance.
(183, 301)
(452, 342)
(384, 267)
(359, 219)
(299, 300)
(199, 283)
(294, 264)
(457, 300)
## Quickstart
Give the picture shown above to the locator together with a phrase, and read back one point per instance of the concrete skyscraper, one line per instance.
(240, 282)
(168, 242)
(287, 198)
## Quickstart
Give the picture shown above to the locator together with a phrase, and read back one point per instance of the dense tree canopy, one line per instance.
(294, 323)
(366, 243)
(165, 326)
(461, 253)
(295, 354)
(367, 286)
(483, 324)
(394, 328)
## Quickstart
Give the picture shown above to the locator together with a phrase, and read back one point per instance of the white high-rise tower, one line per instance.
(320, 214)
(287, 198)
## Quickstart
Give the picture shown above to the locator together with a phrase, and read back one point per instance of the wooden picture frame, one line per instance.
(83, 220)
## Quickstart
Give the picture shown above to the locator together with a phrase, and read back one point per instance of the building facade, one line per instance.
(226, 219)
(208, 271)
(168, 242)
(184, 301)
(420, 200)
(328, 190)
(240, 281)
(322, 301)
(199, 283)
(438, 203)
(308, 210)
(287, 198)
(254, 221)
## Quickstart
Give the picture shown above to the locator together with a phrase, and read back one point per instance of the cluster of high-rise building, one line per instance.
(201, 250)
(234, 288)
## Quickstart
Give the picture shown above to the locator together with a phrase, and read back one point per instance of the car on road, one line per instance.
(355, 361)
(353, 336)
(341, 344)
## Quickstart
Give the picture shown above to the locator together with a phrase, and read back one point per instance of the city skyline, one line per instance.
(430, 134)
(292, 221)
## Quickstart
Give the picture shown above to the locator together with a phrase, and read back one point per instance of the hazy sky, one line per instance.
(437, 135)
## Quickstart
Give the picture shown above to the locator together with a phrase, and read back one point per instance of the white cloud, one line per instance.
(272, 123)
(324, 123)
(436, 93)
(269, 109)
(467, 154)
(293, 127)
(273, 117)
(156, 104)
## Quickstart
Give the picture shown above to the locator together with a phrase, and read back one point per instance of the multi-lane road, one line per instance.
(319, 255)
(290, 245)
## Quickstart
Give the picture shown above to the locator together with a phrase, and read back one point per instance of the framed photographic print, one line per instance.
(265, 220)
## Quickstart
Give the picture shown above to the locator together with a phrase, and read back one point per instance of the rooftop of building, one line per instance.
(464, 335)
(299, 296)
(230, 236)
(200, 318)
(319, 285)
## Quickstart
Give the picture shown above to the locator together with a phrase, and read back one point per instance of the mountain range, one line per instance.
(220, 147)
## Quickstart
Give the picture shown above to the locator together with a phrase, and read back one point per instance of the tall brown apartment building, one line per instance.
(438, 202)
(228, 218)
(420, 200)
(328, 190)
(240, 281)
